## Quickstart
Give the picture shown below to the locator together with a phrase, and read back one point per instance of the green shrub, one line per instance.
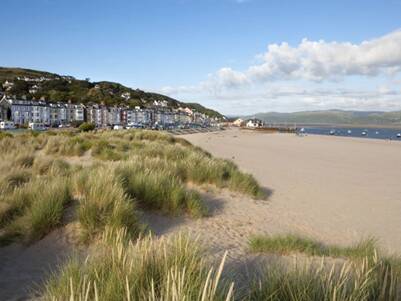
(5, 135)
(86, 127)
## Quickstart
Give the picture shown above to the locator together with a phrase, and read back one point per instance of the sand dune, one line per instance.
(338, 190)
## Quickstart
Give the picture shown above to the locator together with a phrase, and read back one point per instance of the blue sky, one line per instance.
(216, 51)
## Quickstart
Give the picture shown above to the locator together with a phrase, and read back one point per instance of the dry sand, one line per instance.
(337, 190)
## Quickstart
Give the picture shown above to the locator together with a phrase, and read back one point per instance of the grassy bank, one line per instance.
(146, 269)
(107, 177)
(175, 269)
(366, 274)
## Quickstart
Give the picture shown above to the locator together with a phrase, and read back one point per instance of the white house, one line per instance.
(239, 122)
(254, 123)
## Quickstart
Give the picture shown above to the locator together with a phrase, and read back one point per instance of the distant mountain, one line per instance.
(333, 117)
(34, 84)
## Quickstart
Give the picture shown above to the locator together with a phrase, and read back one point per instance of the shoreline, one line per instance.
(346, 125)
(323, 135)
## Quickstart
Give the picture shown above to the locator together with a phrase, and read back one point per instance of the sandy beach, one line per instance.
(337, 190)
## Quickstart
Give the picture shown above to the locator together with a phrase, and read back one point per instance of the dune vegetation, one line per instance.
(365, 271)
(107, 177)
(147, 269)
(291, 243)
(176, 269)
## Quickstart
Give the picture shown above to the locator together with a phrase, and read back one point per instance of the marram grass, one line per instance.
(109, 177)
(32, 211)
(175, 269)
(370, 279)
(104, 203)
(291, 243)
(146, 269)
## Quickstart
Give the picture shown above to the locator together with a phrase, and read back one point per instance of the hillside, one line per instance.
(54, 87)
(333, 117)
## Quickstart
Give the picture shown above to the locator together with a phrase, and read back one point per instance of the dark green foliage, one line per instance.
(5, 135)
(86, 127)
(60, 88)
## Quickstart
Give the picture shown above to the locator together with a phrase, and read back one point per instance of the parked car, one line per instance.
(7, 125)
(35, 126)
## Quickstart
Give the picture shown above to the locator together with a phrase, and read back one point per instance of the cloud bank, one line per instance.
(316, 62)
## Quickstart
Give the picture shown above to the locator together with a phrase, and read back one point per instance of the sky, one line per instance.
(236, 56)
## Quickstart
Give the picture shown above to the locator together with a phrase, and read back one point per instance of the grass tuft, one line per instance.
(37, 211)
(370, 279)
(104, 203)
(147, 269)
(290, 243)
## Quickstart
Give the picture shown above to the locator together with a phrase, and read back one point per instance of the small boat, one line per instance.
(377, 132)
(364, 133)
(332, 132)
(302, 130)
(349, 132)
(399, 135)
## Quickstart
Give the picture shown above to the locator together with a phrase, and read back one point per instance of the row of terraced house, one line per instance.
(23, 112)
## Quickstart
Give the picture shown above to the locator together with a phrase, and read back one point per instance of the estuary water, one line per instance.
(369, 133)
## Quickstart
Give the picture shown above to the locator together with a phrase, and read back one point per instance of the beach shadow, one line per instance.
(268, 192)
(161, 224)
(213, 203)
(251, 267)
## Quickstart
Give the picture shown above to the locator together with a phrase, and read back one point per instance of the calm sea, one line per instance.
(369, 133)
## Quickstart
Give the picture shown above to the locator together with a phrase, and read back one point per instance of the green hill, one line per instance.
(334, 117)
(54, 87)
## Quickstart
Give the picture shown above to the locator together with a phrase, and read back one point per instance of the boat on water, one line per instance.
(399, 135)
(364, 133)
(302, 130)
(377, 132)
(332, 132)
(349, 132)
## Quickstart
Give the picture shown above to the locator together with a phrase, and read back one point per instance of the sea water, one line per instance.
(372, 133)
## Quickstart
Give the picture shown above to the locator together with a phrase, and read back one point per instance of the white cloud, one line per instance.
(320, 60)
(319, 63)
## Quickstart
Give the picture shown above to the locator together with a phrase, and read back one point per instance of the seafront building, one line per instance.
(23, 112)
